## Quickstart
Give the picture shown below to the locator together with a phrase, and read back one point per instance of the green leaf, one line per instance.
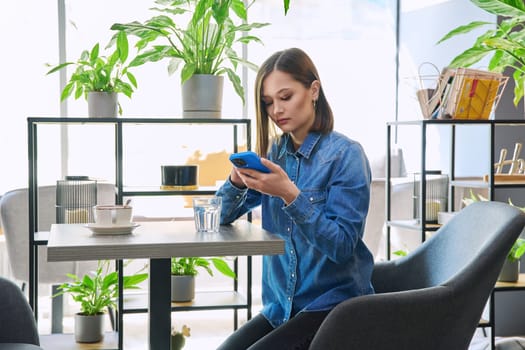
(470, 56)
(122, 46)
(94, 52)
(223, 267)
(286, 6)
(507, 8)
(464, 29)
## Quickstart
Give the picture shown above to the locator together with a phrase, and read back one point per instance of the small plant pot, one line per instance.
(182, 288)
(510, 271)
(89, 328)
(102, 104)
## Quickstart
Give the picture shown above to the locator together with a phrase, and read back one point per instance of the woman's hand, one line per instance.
(276, 183)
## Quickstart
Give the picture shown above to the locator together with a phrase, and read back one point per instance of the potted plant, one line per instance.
(178, 339)
(511, 268)
(204, 47)
(504, 41)
(96, 292)
(100, 78)
(184, 270)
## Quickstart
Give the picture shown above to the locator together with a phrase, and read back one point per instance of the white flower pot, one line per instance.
(510, 271)
(182, 288)
(202, 96)
(89, 329)
(102, 104)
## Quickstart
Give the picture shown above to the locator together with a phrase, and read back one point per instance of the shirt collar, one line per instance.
(306, 149)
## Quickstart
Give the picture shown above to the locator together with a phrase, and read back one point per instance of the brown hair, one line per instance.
(298, 64)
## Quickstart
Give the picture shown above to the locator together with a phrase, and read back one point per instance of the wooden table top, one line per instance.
(520, 284)
(75, 242)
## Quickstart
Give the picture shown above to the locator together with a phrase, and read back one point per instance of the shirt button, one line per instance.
(289, 298)
(288, 229)
(311, 199)
(293, 275)
(291, 251)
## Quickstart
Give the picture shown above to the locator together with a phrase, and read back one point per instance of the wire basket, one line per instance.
(462, 93)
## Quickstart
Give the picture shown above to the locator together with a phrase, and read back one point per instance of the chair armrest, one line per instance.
(385, 277)
(400, 320)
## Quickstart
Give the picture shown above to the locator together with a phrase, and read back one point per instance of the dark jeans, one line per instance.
(258, 334)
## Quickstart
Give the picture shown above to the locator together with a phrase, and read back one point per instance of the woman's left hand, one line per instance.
(276, 183)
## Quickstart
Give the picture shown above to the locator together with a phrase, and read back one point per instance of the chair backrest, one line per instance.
(475, 237)
(17, 322)
(14, 211)
(434, 297)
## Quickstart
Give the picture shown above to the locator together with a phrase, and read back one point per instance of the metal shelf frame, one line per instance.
(122, 191)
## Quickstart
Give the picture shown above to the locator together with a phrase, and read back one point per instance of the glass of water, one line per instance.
(207, 212)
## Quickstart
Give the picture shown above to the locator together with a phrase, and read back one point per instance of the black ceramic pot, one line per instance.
(179, 177)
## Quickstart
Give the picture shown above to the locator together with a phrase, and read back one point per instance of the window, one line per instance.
(351, 42)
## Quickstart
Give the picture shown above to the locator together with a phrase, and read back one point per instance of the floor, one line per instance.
(210, 328)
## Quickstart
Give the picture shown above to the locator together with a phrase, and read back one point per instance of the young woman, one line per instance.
(315, 197)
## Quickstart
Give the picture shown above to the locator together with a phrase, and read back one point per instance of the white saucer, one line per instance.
(112, 229)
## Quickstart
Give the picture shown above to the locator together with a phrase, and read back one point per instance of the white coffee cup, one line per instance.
(109, 215)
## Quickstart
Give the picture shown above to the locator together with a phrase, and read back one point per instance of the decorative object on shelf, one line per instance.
(178, 339)
(436, 195)
(445, 216)
(96, 292)
(515, 166)
(179, 177)
(511, 268)
(183, 289)
(202, 96)
(106, 75)
(75, 196)
(462, 93)
(203, 46)
(502, 39)
(102, 104)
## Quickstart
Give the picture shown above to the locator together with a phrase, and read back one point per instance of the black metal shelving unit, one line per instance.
(455, 182)
(137, 304)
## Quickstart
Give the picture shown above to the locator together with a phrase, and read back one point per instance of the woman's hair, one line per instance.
(295, 62)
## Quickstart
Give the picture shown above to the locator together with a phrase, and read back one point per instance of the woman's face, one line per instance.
(289, 104)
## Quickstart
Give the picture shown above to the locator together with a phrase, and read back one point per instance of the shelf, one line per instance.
(480, 183)
(137, 121)
(157, 191)
(138, 302)
(240, 130)
(412, 224)
(67, 342)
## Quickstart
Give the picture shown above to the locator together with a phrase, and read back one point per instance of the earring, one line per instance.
(315, 103)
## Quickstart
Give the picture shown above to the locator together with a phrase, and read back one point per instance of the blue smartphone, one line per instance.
(248, 160)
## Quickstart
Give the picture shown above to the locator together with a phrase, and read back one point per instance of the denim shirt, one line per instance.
(325, 260)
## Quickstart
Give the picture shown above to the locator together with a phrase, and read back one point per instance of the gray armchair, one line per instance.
(14, 213)
(18, 329)
(434, 297)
